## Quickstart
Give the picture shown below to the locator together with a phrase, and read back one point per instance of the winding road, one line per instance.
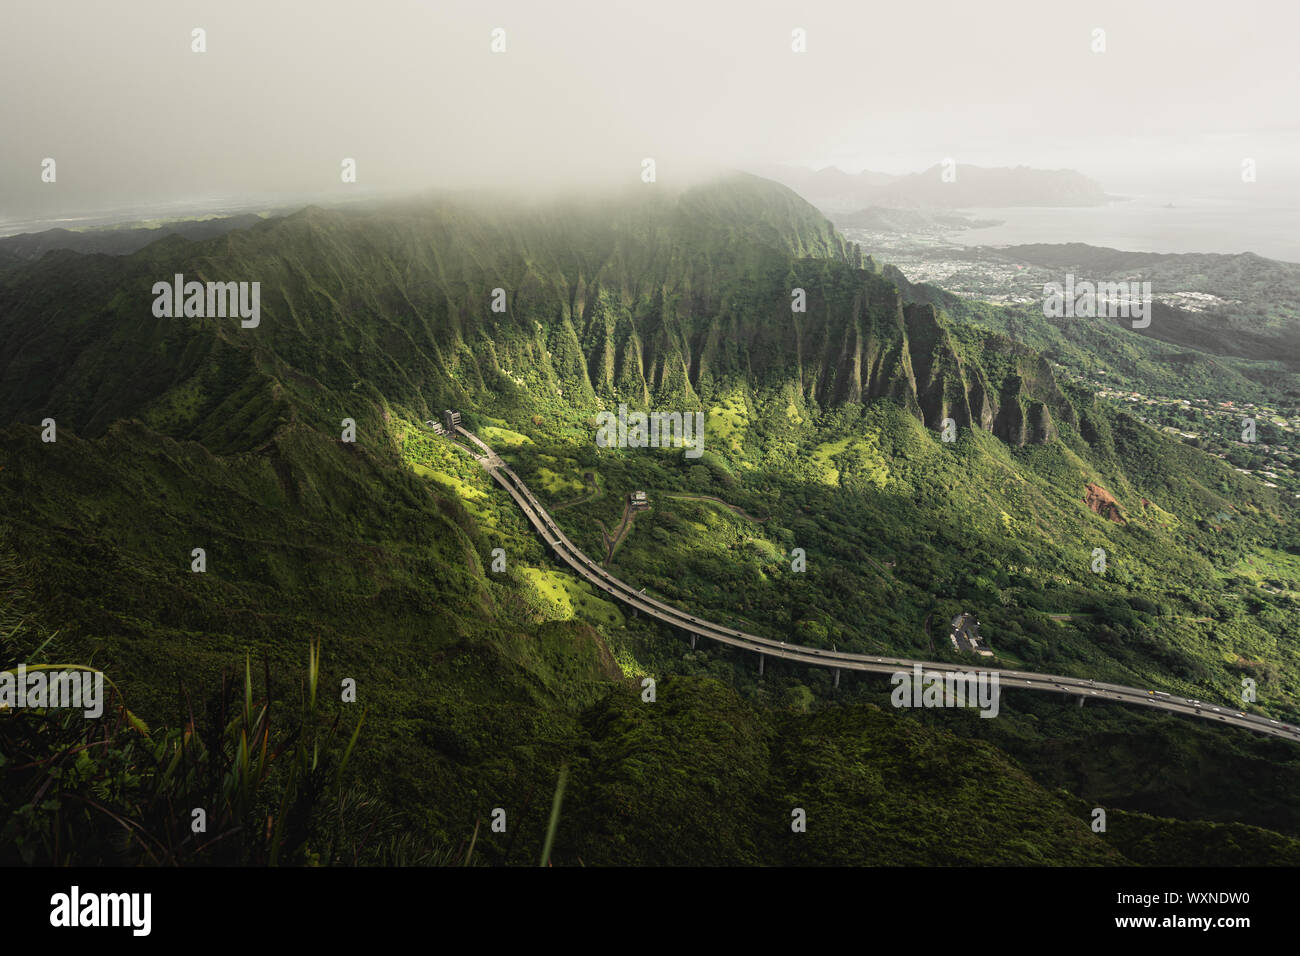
(598, 577)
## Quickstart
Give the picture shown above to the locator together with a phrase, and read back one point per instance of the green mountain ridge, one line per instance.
(649, 311)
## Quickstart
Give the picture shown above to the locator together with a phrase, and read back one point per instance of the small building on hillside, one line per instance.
(639, 501)
(450, 420)
(965, 635)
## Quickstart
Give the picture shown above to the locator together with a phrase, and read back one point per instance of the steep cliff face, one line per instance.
(948, 384)
(651, 299)
(855, 341)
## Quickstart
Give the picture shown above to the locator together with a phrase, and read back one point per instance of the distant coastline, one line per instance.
(1145, 224)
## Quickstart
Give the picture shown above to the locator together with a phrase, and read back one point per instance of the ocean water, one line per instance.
(1147, 224)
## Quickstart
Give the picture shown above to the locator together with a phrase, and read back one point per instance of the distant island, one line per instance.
(834, 190)
(908, 221)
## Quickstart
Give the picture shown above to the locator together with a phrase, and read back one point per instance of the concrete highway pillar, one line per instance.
(760, 665)
(837, 678)
(1081, 700)
(693, 637)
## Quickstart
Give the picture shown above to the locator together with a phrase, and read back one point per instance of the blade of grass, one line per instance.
(472, 840)
(343, 761)
(554, 823)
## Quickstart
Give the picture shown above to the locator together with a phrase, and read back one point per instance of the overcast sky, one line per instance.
(585, 90)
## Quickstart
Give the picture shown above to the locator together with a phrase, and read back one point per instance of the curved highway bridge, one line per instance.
(598, 577)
